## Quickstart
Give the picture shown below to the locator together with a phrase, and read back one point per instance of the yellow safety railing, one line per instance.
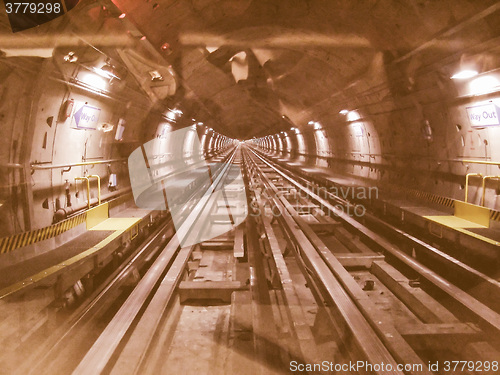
(88, 187)
(467, 183)
(484, 186)
(487, 162)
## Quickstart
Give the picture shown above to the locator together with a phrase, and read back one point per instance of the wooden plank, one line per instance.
(438, 336)
(208, 290)
(419, 302)
(239, 248)
(241, 333)
(217, 245)
(358, 259)
(481, 351)
(352, 243)
(323, 228)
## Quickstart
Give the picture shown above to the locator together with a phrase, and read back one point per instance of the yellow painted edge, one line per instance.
(465, 231)
(52, 270)
(479, 237)
(97, 215)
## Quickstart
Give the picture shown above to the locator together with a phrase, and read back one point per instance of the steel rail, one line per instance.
(462, 273)
(66, 332)
(367, 342)
(134, 354)
(480, 311)
(99, 355)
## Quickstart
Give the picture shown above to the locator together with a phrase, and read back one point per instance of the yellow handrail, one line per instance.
(98, 187)
(467, 183)
(480, 162)
(88, 188)
(484, 186)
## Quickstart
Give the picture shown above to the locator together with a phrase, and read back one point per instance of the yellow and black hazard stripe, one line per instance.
(495, 215)
(444, 201)
(8, 244)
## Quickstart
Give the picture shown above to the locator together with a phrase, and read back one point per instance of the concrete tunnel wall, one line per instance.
(421, 146)
(37, 134)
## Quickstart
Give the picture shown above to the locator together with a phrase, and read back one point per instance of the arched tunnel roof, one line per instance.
(254, 66)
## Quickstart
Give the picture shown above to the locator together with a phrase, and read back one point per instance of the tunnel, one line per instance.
(250, 186)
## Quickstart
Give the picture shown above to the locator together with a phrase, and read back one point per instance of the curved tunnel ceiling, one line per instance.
(255, 66)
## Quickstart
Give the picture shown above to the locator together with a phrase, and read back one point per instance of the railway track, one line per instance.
(300, 285)
(380, 293)
(58, 336)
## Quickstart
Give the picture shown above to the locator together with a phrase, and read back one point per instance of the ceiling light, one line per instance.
(484, 84)
(105, 128)
(353, 116)
(71, 57)
(310, 123)
(106, 71)
(93, 80)
(122, 16)
(464, 74)
(155, 76)
(344, 112)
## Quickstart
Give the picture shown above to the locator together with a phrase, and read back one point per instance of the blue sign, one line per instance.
(483, 115)
(86, 117)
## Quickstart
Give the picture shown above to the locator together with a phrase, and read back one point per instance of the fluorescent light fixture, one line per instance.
(172, 114)
(464, 74)
(106, 71)
(310, 123)
(344, 112)
(105, 127)
(484, 84)
(93, 80)
(71, 57)
(155, 76)
(353, 116)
